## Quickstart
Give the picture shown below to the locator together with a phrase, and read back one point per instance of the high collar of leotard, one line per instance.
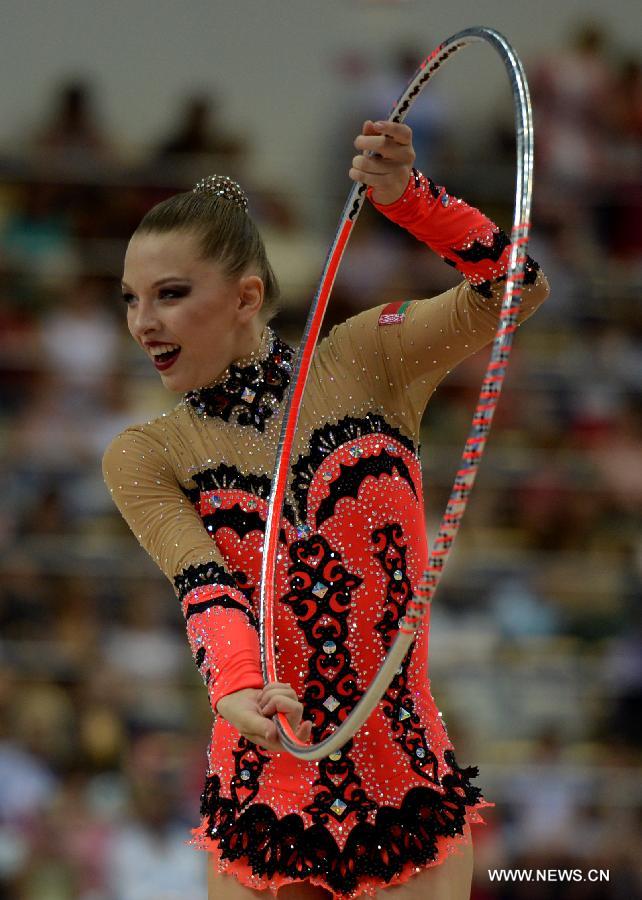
(249, 391)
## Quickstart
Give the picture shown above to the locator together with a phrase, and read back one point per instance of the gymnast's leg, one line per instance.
(228, 887)
(451, 880)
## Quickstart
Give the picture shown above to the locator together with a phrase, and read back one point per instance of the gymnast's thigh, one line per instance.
(451, 880)
(228, 887)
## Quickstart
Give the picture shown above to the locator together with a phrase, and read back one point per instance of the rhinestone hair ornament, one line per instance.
(222, 186)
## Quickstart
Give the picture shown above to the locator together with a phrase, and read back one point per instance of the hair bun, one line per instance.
(222, 186)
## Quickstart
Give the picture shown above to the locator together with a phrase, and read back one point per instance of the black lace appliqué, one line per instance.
(479, 251)
(249, 392)
(399, 835)
(325, 441)
(320, 597)
(434, 189)
(397, 703)
(222, 600)
(248, 589)
(531, 268)
(225, 477)
(249, 762)
(351, 477)
(241, 521)
(212, 573)
(198, 576)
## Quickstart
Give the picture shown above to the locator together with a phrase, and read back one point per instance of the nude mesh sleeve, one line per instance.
(221, 626)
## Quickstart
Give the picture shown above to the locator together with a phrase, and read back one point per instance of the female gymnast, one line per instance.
(389, 814)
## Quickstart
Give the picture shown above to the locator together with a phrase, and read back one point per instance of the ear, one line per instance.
(251, 293)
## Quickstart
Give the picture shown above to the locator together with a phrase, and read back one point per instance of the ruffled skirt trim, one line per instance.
(367, 885)
(264, 851)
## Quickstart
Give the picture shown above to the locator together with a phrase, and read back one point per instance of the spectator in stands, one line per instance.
(73, 135)
(198, 132)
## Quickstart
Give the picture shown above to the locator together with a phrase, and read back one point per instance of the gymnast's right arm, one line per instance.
(221, 626)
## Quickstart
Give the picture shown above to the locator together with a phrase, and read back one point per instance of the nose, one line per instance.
(143, 319)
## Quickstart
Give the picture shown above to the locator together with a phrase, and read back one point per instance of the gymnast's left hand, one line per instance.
(386, 160)
(277, 697)
(251, 710)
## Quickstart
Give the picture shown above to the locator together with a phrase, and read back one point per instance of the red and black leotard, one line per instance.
(194, 485)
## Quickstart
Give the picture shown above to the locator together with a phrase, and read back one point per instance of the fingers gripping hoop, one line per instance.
(482, 418)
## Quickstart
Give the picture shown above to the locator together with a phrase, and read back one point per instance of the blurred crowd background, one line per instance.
(536, 644)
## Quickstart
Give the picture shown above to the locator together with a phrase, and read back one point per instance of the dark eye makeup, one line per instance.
(174, 292)
(171, 293)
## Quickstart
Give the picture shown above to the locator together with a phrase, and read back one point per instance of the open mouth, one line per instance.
(165, 360)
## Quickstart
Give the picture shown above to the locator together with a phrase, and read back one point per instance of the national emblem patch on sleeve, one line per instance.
(393, 313)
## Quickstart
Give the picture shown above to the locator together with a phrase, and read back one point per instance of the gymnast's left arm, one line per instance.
(463, 236)
(425, 339)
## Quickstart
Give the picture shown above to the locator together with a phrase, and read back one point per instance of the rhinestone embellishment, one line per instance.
(329, 647)
(249, 391)
(223, 186)
(331, 703)
(320, 589)
(339, 806)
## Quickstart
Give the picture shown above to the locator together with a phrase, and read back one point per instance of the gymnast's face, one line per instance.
(190, 319)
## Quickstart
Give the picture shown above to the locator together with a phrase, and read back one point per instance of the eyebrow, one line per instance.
(161, 280)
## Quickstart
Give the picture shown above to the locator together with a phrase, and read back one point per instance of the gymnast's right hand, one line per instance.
(250, 711)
